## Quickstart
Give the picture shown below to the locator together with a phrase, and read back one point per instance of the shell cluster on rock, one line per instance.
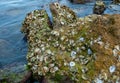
(99, 7)
(35, 24)
(72, 48)
(62, 15)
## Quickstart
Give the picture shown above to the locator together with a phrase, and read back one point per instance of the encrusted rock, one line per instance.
(35, 24)
(62, 15)
(99, 7)
(76, 48)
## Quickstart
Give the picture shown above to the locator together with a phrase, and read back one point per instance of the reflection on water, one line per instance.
(12, 12)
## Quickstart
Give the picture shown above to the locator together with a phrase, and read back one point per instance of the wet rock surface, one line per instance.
(35, 25)
(62, 15)
(83, 50)
(116, 1)
(80, 1)
(13, 75)
(99, 7)
(106, 63)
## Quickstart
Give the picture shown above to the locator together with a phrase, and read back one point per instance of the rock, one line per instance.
(6, 75)
(80, 1)
(99, 7)
(62, 15)
(46, 49)
(64, 51)
(36, 22)
(77, 1)
(116, 1)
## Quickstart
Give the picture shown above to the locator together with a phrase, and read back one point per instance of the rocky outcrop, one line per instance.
(34, 26)
(99, 7)
(62, 15)
(80, 49)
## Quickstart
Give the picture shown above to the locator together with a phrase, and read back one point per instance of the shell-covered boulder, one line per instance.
(62, 15)
(84, 51)
(99, 7)
(63, 52)
(107, 48)
(35, 24)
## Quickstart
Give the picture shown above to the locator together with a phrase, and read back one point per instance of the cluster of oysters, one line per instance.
(72, 47)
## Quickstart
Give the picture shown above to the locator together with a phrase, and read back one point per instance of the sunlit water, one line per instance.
(13, 48)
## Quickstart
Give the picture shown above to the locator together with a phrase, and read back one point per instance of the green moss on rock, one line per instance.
(73, 50)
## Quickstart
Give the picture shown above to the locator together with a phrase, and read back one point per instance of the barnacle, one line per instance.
(99, 7)
(62, 15)
(71, 48)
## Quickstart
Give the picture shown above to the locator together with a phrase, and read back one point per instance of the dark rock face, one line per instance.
(77, 1)
(99, 7)
(14, 76)
(116, 1)
(80, 1)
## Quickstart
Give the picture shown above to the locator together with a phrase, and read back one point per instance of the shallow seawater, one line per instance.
(13, 48)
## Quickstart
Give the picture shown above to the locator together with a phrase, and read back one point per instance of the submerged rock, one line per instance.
(15, 76)
(79, 49)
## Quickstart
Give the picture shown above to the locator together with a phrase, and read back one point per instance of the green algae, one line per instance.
(59, 53)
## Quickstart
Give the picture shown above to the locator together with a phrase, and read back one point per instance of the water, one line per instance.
(13, 48)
